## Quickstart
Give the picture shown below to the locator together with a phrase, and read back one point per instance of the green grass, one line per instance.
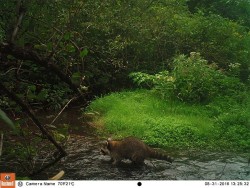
(168, 124)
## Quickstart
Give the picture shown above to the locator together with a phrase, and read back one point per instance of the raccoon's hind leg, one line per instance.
(138, 163)
(137, 159)
(111, 159)
(116, 161)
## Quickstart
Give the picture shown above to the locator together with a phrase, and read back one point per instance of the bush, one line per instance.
(192, 80)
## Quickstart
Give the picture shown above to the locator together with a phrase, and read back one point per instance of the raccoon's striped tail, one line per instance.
(160, 155)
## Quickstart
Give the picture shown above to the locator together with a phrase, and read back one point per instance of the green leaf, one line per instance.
(43, 95)
(32, 88)
(50, 46)
(7, 120)
(70, 48)
(67, 36)
(75, 78)
(76, 75)
(84, 52)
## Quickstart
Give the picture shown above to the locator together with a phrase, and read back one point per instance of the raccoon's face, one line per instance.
(105, 149)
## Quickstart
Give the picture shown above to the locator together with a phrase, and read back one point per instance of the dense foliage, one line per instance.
(193, 80)
(97, 44)
(235, 10)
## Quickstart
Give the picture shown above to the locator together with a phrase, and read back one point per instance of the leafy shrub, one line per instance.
(191, 80)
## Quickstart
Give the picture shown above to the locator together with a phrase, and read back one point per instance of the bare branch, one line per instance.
(30, 55)
(1, 144)
(25, 108)
(21, 12)
(62, 110)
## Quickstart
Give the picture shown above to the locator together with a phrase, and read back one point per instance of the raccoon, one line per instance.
(133, 149)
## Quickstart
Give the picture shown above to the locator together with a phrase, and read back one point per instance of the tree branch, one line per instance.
(25, 108)
(47, 166)
(1, 144)
(23, 54)
(21, 12)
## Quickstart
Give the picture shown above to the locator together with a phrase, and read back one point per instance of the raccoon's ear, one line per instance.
(109, 139)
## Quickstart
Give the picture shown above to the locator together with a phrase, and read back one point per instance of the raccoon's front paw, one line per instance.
(115, 162)
(138, 163)
(171, 160)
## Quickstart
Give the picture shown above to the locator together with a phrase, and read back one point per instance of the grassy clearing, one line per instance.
(172, 124)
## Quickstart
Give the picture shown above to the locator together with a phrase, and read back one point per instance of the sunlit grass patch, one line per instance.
(160, 123)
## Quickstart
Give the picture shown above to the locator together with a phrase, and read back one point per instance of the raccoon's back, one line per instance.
(131, 145)
(133, 142)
